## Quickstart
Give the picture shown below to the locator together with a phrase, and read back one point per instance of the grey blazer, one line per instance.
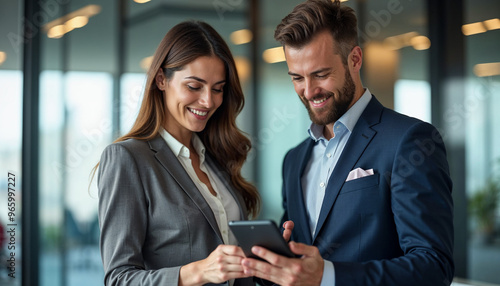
(152, 217)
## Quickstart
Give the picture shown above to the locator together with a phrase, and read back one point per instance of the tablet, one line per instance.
(263, 233)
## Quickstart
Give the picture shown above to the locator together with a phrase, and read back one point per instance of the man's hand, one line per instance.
(307, 270)
(287, 232)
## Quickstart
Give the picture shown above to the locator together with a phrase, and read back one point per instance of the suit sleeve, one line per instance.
(123, 219)
(283, 195)
(422, 207)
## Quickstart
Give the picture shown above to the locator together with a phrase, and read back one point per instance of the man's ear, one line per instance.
(355, 59)
(161, 81)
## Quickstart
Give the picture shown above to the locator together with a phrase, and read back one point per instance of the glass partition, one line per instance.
(11, 100)
(76, 91)
(480, 112)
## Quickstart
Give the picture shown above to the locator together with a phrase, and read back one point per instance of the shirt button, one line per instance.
(322, 184)
(329, 155)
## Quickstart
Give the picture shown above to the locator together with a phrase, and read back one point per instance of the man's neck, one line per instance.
(328, 131)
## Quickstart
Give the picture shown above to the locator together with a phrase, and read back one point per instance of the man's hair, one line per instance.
(314, 16)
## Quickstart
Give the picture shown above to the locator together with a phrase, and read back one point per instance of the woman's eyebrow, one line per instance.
(202, 80)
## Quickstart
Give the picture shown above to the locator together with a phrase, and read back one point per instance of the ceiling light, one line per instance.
(3, 57)
(274, 55)
(56, 32)
(76, 19)
(488, 69)
(420, 43)
(77, 22)
(141, 1)
(406, 37)
(393, 43)
(492, 24)
(241, 37)
(400, 41)
(90, 10)
(473, 28)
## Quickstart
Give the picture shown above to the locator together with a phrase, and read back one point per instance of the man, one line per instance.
(367, 197)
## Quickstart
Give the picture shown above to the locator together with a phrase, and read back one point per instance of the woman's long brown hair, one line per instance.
(223, 140)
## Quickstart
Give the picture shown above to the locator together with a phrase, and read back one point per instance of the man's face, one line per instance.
(321, 80)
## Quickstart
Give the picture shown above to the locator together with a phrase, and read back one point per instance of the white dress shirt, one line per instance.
(223, 204)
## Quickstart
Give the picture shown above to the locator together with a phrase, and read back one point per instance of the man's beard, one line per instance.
(339, 106)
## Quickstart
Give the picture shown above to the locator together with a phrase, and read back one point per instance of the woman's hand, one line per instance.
(223, 264)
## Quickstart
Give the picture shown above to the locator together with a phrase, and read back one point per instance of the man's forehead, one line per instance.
(308, 61)
(322, 43)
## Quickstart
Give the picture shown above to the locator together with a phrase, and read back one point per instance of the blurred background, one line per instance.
(72, 74)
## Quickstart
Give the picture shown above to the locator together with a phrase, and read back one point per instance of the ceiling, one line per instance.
(93, 47)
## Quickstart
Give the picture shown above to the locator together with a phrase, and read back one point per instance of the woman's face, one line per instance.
(192, 95)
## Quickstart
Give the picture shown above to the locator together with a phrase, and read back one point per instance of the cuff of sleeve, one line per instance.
(328, 274)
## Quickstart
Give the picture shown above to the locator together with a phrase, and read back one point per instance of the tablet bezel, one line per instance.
(264, 233)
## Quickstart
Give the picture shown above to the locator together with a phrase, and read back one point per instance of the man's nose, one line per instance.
(310, 89)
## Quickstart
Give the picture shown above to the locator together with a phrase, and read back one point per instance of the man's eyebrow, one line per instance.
(314, 72)
(321, 70)
(202, 80)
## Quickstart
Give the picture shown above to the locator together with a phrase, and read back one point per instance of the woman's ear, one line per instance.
(161, 81)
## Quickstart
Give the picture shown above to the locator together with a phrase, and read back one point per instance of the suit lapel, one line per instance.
(360, 137)
(168, 160)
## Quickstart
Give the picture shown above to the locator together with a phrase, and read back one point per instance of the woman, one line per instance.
(168, 188)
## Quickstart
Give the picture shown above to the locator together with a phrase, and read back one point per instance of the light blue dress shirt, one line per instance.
(324, 157)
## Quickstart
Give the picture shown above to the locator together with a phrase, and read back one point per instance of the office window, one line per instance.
(76, 91)
(413, 98)
(11, 100)
(132, 91)
(480, 113)
(71, 143)
(10, 166)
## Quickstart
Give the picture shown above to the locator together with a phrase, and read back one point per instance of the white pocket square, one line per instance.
(358, 173)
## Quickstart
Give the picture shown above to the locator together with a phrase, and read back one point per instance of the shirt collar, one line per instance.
(179, 149)
(349, 119)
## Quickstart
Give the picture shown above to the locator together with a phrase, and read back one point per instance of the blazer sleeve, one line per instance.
(421, 202)
(284, 217)
(123, 219)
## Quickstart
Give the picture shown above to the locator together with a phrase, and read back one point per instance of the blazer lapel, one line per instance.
(295, 201)
(360, 137)
(168, 160)
(225, 178)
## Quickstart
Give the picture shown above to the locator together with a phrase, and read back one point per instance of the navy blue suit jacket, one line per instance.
(391, 228)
